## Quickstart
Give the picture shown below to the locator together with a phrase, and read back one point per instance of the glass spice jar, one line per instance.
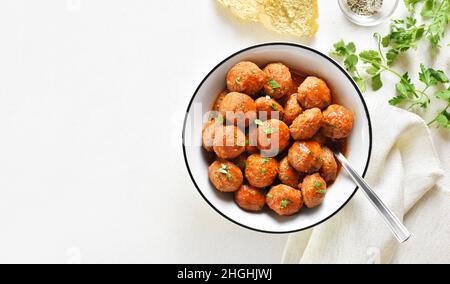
(368, 12)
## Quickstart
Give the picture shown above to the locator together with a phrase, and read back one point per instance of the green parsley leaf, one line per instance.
(269, 130)
(259, 122)
(443, 95)
(370, 56)
(274, 107)
(391, 55)
(238, 79)
(224, 170)
(431, 77)
(284, 203)
(341, 49)
(263, 171)
(405, 87)
(410, 4)
(318, 185)
(443, 119)
(397, 100)
(274, 84)
(361, 83)
(350, 62)
(265, 160)
(321, 191)
(376, 82)
(428, 9)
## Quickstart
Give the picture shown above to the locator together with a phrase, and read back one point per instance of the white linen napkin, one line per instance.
(403, 167)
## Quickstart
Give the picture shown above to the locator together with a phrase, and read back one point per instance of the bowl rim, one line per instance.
(301, 46)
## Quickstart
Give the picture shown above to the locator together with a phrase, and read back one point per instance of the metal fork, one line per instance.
(400, 232)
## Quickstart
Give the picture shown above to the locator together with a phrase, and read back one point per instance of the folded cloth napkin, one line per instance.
(403, 167)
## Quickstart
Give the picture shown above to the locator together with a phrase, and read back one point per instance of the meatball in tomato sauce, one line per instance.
(268, 108)
(208, 132)
(284, 200)
(307, 124)
(329, 168)
(314, 189)
(250, 198)
(287, 174)
(246, 77)
(273, 137)
(279, 81)
(305, 157)
(292, 110)
(229, 142)
(337, 122)
(238, 108)
(261, 171)
(225, 176)
(314, 93)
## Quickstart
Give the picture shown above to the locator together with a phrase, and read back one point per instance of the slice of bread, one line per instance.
(243, 9)
(294, 17)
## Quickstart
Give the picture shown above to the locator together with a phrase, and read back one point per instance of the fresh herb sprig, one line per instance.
(406, 33)
(367, 66)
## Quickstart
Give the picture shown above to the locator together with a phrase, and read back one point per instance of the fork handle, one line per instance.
(400, 232)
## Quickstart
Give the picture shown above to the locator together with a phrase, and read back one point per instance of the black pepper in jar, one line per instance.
(365, 7)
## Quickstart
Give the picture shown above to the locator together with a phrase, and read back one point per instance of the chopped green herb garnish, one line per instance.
(284, 203)
(266, 160)
(269, 130)
(318, 185)
(238, 79)
(259, 122)
(274, 107)
(224, 170)
(269, 195)
(274, 84)
(264, 171)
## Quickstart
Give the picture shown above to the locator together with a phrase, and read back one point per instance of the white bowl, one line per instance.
(306, 60)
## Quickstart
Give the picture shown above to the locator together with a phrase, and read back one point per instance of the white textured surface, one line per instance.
(85, 174)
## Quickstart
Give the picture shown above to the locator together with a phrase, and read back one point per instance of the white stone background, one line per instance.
(92, 97)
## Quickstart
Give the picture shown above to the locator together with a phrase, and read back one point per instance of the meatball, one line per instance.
(250, 198)
(241, 161)
(229, 142)
(251, 142)
(337, 122)
(292, 109)
(273, 137)
(225, 176)
(238, 108)
(219, 100)
(305, 156)
(208, 132)
(287, 174)
(261, 171)
(266, 107)
(279, 81)
(329, 166)
(314, 92)
(284, 200)
(246, 77)
(313, 189)
(306, 124)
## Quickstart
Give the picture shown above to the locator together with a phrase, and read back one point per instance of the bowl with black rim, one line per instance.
(308, 61)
